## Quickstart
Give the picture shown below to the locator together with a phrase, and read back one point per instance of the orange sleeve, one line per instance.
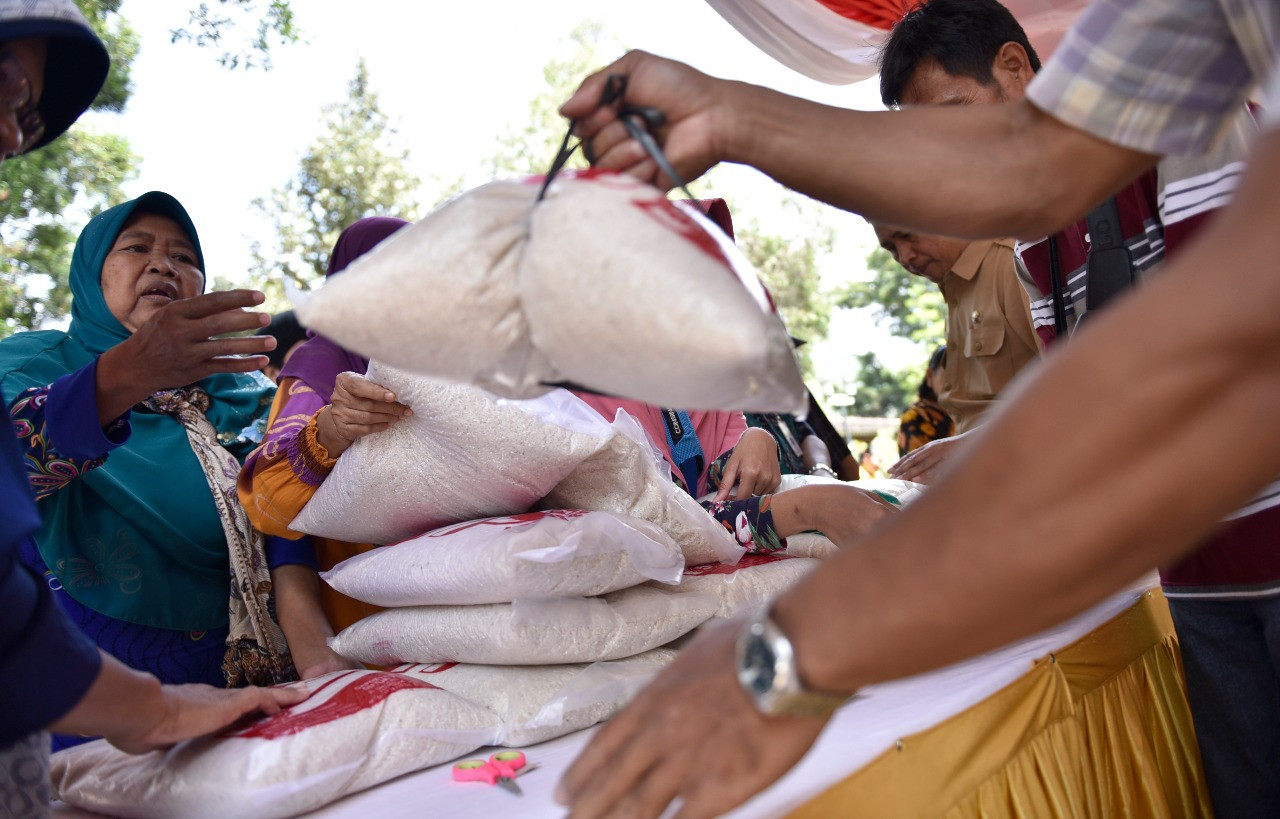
(270, 486)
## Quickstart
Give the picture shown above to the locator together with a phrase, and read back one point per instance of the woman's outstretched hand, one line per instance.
(180, 345)
(135, 713)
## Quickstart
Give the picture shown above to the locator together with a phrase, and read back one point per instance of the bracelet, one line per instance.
(820, 468)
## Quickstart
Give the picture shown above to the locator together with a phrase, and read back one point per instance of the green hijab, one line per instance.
(139, 538)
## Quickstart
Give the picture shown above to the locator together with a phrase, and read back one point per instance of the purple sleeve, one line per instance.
(46, 663)
(284, 552)
(286, 438)
(58, 428)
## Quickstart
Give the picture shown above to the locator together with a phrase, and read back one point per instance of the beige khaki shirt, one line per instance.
(989, 332)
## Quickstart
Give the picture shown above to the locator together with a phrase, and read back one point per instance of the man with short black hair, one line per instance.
(962, 52)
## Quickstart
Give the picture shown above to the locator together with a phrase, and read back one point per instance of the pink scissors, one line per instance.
(501, 769)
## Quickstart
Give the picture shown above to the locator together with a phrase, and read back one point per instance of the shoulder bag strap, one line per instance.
(1110, 265)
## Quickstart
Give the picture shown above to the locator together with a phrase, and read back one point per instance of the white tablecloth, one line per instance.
(857, 734)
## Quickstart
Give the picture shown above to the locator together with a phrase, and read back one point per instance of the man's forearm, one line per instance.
(1002, 170)
(1063, 497)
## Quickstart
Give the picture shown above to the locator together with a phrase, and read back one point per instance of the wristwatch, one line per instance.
(820, 468)
(767, 672)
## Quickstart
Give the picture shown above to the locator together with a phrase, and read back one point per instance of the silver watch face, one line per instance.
(757, 668)
(766, 672)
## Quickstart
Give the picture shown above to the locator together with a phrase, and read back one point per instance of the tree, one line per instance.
(909, 306)
(355, 169)
(788, 266)
(529, 146)
(45, 196)
(271, 24)
(883, 392)
(82, 170)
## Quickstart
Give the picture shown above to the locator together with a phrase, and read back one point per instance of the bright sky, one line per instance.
(451, 75)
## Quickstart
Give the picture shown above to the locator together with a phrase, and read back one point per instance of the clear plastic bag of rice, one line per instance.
(499, 290)
(750, 584)
(357, 729)
(463, 454)
(527, 632)
(555, 553)
(541, 702)
(628, 476)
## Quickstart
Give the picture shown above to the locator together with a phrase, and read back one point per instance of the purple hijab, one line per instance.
(318, 361)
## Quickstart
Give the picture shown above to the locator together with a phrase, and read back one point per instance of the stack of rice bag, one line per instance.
(541, 555)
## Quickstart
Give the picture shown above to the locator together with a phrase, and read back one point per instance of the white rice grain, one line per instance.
(583, 630)
(538, 703)
(497, 560)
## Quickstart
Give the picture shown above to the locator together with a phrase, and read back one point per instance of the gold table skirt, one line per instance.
(1099, 729)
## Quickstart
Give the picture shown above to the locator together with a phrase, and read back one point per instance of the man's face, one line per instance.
(931, 85)
(928, 256)
(23, 74)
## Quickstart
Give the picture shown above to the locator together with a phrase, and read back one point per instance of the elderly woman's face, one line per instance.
(152, 263)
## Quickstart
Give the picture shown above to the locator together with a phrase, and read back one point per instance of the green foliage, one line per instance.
(356, 169)
(883, 392)
(529, 146)
(788, 266)
(223, 26)
(122, 44)
(80, 171)
(908, 306)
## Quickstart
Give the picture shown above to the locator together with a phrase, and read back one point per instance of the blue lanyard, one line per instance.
(686, 450)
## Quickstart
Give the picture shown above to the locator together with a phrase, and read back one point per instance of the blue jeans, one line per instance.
(1231, 653)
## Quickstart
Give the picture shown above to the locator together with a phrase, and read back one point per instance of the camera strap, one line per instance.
(1109, 265)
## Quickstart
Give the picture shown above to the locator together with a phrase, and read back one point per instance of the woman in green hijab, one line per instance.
(145, 547)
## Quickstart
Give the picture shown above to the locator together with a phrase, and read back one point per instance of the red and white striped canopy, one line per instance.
(837, 41)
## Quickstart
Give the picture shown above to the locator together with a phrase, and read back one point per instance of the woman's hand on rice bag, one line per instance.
(692, 733)
(753, 467)
(925, 464)
(688, 99)
(193, 710)
(135, 713)
(358, 407)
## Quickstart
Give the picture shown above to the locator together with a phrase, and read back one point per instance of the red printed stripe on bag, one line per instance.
(746, 562)
(339, 697)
